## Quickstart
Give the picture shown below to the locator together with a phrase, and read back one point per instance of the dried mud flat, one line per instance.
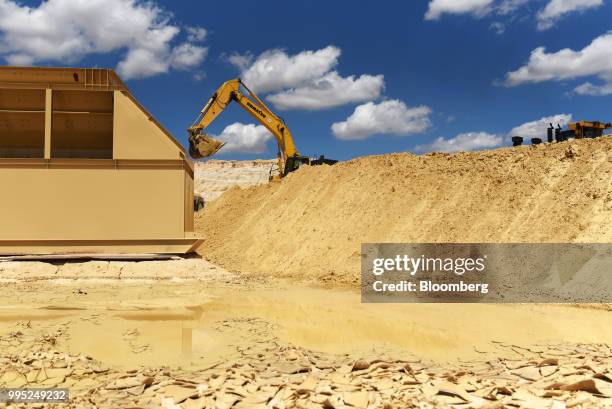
(231, 341)
(270, 374)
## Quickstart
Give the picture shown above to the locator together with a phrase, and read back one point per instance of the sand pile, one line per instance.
(313, 222)
(214, 177)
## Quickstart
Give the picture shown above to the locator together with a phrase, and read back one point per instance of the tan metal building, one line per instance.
(84, 168)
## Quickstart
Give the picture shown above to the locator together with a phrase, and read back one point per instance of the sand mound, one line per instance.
(313, 222)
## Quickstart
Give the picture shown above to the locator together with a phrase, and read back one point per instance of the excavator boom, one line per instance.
(202, 145)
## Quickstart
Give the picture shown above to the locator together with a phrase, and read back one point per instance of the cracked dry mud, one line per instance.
(269, 373)
(228, 341)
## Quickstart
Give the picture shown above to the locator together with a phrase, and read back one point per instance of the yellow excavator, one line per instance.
(202, 145)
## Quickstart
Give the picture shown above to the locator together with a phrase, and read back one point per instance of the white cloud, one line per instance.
(386, 117)
(498, 27)
(589, 88)
(566, 64)
(537, 128)
(305, 80)
(196, 34)
(187, 55)
(241, 61)
(244, 138)
(439, 7)
(553, 11)
(141, 63)
(275, 70)
(468, 141)
(556, 9)
(65, 31)
(331, 90)
(510, 6)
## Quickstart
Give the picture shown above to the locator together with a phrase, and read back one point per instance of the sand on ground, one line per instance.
(270, 316)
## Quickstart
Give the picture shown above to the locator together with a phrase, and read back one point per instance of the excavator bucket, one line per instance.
(203, 146)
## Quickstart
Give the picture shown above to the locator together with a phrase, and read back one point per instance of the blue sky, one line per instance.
(444, 65)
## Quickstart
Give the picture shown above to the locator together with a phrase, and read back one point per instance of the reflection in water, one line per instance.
(120, 341)
(185, 324)
(186, 338)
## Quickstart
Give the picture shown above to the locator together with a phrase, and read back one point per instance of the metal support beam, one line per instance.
(48, 116)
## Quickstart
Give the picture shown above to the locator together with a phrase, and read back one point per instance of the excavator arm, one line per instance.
(202, 145)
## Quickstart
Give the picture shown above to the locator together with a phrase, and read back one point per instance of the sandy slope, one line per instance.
(313, 222)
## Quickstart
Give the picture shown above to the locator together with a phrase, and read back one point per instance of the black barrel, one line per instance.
(536, 141)
(517, 140)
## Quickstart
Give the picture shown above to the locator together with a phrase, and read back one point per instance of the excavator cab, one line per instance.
(294, 163)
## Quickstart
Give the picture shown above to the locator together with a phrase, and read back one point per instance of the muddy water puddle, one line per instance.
(154, 323)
